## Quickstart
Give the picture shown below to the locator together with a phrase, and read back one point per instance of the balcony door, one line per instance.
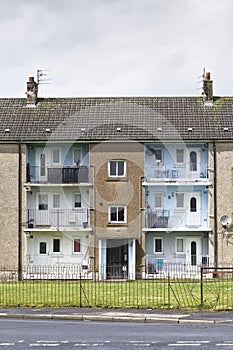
(194, 163)
(193, 209)
(193, 251)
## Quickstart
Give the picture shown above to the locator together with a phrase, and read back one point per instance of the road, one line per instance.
(27, 334)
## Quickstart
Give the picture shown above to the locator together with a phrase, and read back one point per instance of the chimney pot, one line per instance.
(31, 79)
(207, 76)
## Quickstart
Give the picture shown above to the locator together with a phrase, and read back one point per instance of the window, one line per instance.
(77, 245)
(56, 245)
(42, 248)
(42, 164)
(159, 200)
(77, 200)
(158, 156)
(43, 201)
(180, 156)
(193, 204)
(180, 245)
(158, 245)
(179, 200)
(56, 201)
(193, 161)
(117, 214)
(116, 168)
(76, 156)
(56, 156)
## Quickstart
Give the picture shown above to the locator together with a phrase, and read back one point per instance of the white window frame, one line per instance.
(75, 194)
(80, 243)
(39, 194)
(117, 221)
(59, 156)
(158, 238)
(76, 149)
(59, 196)
(162, 200)
(158, 161)
(180, 163)
(117, 161)
(180, 252)
(176, 195)
(60, 246)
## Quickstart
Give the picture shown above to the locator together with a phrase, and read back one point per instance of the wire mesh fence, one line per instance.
(210, 288)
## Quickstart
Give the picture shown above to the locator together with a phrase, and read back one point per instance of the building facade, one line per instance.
(117, 186)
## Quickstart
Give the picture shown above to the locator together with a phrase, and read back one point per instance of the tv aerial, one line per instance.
(42, 77)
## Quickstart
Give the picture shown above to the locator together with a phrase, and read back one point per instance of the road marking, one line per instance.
(189, 343)
(7, 344)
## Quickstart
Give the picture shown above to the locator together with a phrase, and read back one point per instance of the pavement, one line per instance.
(118, 315)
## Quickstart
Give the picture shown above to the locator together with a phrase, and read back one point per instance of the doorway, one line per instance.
(193, 251)
(117, 258)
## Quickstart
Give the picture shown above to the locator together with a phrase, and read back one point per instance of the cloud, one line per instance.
(117, 47)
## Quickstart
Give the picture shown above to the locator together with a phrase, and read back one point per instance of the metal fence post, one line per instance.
(201, 289)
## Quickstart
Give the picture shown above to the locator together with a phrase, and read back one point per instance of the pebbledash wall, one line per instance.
(12, 215)
(123, 191)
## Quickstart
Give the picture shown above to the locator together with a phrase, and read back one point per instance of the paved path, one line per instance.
(119, 315)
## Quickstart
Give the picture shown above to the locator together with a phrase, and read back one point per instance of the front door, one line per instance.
(117, 258)
(193, 209)
(193, 251)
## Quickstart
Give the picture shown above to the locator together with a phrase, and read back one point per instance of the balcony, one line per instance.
(57, 175)
(160, 174)
(58, 218)
(175, 219)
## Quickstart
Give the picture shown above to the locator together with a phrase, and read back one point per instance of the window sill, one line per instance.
(118, 179)
(117, 224)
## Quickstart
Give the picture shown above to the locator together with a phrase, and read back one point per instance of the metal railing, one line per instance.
(58, 175)
(59, 286)
(175, 173)
(165, 218)
(58, 218)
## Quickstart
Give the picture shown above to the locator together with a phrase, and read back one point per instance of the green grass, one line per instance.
(160, 294)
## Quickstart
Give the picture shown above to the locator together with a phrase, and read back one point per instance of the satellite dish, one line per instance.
(225, 220)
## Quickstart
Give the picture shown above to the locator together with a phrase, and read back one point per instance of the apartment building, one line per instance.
(119, 186)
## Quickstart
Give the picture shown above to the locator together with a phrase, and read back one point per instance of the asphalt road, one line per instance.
(60, 334)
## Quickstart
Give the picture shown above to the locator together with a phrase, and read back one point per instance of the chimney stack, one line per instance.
(208, 88)
(32, 90)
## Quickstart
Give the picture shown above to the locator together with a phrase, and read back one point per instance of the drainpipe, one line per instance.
(215, 208)
(19, 212)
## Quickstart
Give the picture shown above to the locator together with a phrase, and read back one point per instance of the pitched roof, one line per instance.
(118, 118)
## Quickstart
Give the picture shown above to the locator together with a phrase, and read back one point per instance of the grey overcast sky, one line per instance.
(116, 47)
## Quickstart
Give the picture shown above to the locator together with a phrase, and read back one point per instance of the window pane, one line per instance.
(158, 200)
(180, 156)
(77, 245)
(121, 214)
(56, 245)
(56, 201)
(158, 245)
(43, 202)
(42, 164)
(77, 200)
(112, 168)
(193, 204)
(158, 155)
(179, 200)
(180, 245)
(77, 156)
(113, 214)
(56, 156)
(120, 168)
(43, 248)
(193, 161)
